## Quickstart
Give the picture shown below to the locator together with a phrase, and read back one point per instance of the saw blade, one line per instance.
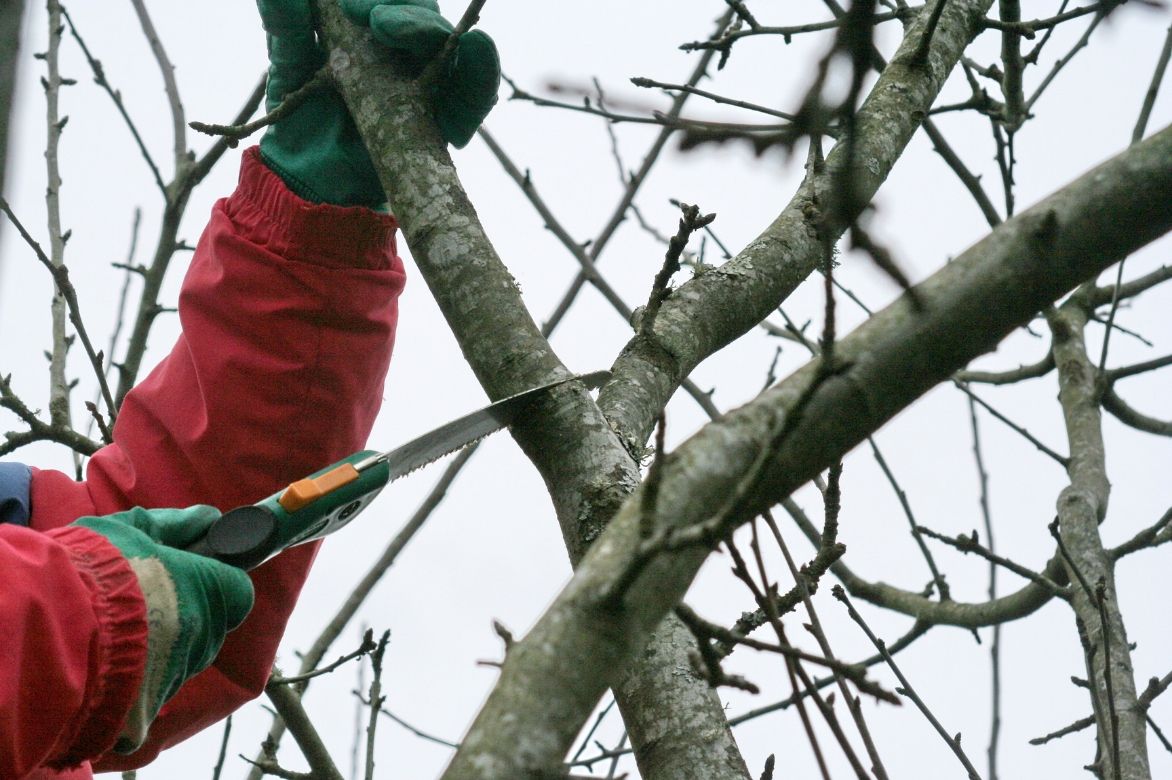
(463, 431)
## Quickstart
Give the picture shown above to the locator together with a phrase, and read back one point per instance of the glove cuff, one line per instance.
(119, 657)
(316, 233)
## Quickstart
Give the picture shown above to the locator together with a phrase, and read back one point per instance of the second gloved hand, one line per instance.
(316, 149)
(414, 30)
(191, 601)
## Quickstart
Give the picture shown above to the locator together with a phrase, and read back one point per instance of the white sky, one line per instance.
(492, 550)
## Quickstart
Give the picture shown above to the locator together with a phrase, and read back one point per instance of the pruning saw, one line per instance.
(329, 499)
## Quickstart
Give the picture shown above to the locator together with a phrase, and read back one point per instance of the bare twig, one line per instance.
(68, 295)
(419, 733)
(970, 544)
(921, 54)
(690, 222)
(1145, 113)
(287, 702)
(816, 629)
(167, 70)
(916, 529)
(953, 742)
(116, 96)
(59, 385)
(1061, 459)
(1123, 412)
(1078, 725)
(375, 699)
(367, 647)
(219, 767)
(290, 103)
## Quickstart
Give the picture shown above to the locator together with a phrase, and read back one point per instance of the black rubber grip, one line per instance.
(243, 537)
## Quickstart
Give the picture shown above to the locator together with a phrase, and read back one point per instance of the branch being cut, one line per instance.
(585, 465)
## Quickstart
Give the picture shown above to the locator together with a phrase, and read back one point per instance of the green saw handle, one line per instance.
(308, 509)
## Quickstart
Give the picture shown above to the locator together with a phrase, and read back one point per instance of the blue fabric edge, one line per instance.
(15, 479)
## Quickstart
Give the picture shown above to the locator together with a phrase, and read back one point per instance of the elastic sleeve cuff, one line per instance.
(270, 214)
(117, 670)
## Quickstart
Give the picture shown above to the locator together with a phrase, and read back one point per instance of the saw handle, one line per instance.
(305, 510)
(243, 537)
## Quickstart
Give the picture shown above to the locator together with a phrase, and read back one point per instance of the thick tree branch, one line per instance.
(587, 469)
(1082, 505)
(710, 311)
(553, 678)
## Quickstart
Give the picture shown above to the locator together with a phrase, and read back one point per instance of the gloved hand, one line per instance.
(191, 601)
(316, 150)
(415, 33)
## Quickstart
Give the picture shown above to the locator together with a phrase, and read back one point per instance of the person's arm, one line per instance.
(75, 644)
(288, 314)
(105, 619)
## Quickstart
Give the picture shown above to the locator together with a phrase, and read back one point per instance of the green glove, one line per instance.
(191, 601)
(415, 32)
(316, 150)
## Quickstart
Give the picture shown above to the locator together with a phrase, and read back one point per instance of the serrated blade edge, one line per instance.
(463, 431)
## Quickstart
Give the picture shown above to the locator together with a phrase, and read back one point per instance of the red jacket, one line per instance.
(288, 313)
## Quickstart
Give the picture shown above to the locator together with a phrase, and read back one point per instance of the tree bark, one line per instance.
(587, 470)
(765, 450)
(1082, 506)
(711, 310)
(573, 446)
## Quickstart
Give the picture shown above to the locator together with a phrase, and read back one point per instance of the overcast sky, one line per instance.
(493, 551)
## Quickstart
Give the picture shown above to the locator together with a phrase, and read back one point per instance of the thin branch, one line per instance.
(1060, 459)
(969, 544)
(421, 734)
(367, 647)
(375, 700)
(68, 294)
(995, 645)
(1062, 63)
(219, 767)
(1077, 726)
(1123, 412)
(59, 385)
(651, 83)
(289, 103)
(971, 182)
(907, 690)
(816, 629)
(167, 70)
(1141, 123)
(916, 529)
(690, 222)
(1137, 368)
(1104, 295)
(724, 42)
(920, 56)
(1031, 371)
(116, 96)
(1147, 538)
(436, 67)
(288, 703)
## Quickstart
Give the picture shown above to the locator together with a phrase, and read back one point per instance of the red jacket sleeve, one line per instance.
(75, 646)
(288, 313)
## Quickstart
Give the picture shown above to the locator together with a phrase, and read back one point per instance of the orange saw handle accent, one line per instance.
(304, 492)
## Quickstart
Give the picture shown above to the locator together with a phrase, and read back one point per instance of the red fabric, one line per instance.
(288, 313)
(76, 633)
